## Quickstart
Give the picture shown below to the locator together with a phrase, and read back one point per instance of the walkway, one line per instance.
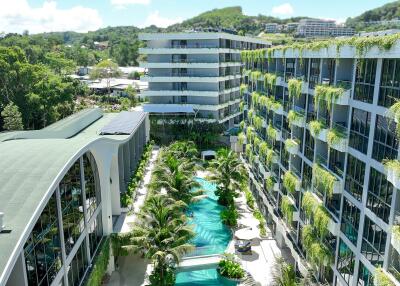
(132, 269)
(125, 222)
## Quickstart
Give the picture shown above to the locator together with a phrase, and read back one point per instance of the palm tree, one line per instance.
(228, 173)
(177, 178)
(184, 149)
(161, 234)
(283, 274)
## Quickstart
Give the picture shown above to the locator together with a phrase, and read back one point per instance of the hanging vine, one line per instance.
(323, 180)
(287, 208)
(327, 93)
(294, 87)
(290, 182)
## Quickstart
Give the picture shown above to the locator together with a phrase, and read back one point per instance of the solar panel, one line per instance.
(123, 124)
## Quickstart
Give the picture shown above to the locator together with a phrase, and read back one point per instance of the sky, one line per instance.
(38, 16)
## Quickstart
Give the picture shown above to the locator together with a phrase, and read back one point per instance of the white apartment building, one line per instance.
(362, 204)
(322, 28)
(195, 72)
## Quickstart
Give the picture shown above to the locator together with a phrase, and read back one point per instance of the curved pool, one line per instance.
(212, 236)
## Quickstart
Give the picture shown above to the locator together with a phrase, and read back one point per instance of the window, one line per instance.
(355, 177)
(79, 263)
(95, 232)
(92, 184)
(365, 278)
(42, 249)
(365, 80)
(359, 132)
(309, 146)
(289, 71)
(350, 221)
(380, 193)
(314, 72)
(345, 262)
(72, 207)
(373, 242)
(385, 143)
(389, 91)
(336, 162)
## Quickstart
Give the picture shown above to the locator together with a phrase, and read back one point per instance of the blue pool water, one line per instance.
(212, 237)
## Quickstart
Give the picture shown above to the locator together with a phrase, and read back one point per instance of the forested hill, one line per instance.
(230, 18)
(388, 11)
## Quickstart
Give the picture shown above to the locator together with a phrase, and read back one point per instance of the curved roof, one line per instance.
(31, 167)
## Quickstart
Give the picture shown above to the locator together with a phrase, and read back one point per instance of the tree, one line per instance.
(283, 274)
(59, 64)
(131, 94)
(105, 69)
(12, 117)
(161, 234)
(228, 173)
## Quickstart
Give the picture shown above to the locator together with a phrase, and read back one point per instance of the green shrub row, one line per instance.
(100, 264)
(137, 176)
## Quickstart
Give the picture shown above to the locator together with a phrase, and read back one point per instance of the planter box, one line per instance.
(393, 177)
(233, 139)
(322, 135)
(280, 81)
(333, 227)
(344, 99)
(300, 122)
(304, 87)
(264, 123)
(293, 149)
(278, 135)
(278, 111)
(296, 216)
(276, 187)
(337, 187)
(341, 146)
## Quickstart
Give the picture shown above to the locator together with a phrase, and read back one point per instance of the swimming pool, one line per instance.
(212, 237)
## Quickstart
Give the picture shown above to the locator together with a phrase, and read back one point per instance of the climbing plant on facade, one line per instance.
(287, 208)
(327, 93)
(290, 182)
(334, 136)
(323, 180)
(394, 115)
(269, 81)
(294, 87)
(316, 127)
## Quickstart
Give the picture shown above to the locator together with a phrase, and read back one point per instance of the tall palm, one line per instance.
(228, 172)
(161, 234)
(176, 177)
(184, 149)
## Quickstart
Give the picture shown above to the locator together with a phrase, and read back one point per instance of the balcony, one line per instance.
(333, 227)
(318, 129)
(395, 237)
(297, 118)
(337, 138)
(292, 146)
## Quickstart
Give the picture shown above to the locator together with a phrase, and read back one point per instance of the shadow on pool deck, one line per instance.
(131, 272)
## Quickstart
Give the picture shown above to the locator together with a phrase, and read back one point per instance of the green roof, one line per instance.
(29, 168)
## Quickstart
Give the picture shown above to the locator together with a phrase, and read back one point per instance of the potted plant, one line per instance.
(229, 269)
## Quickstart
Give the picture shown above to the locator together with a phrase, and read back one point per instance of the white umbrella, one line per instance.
(246, 234)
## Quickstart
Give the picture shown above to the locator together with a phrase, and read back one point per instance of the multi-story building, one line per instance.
(60, 194)
(322, 28)
(316, 137)
(272, 27)
(198, 71)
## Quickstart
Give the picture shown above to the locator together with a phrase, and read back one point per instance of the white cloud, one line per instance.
(154, 18)
(17, 16)
(121, 4)
(338, 21)
(285, 9)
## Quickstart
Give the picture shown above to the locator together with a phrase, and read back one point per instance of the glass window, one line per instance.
(373, 242)
(72, 207)
(314, 72)
(385, 142)
(42, 249)
(345, 262)
(76, 270)
(365, 278)
(309, 146)
(389, 91)
(350, 221)
(359, 132)
(95, 234)
(380, 193)
(365, 80)
(355, 177)
(92, 185)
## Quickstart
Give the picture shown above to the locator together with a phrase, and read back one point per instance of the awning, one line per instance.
(168, 108)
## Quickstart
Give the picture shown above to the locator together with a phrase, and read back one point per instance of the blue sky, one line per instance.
(82, 15)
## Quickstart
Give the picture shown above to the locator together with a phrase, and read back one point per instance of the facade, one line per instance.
(316, 168)
(272, 28)
(199, 70)
(60, 192)
(322, 28)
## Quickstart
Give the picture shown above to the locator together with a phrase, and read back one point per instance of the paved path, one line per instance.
(132, 269)
(125, 221)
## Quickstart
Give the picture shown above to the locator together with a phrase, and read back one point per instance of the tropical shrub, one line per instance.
(287, 208)
(283, 274)
(381, 278)
(243, 89)
(316, 127)
(230, 215)
(393, 165)
(290, 182)
(294, 116)
(393, 114)
(324, 180)
(309, 204)
(396, 231)
(269, 81)
(327, 93)
(100, 264)
(269, 183)
(271, 132)
(317, 253)
(321, 221)
(335, 136)
(241, 138)
(291, 143)
(294, 87)
(249, 199)
(229, 268)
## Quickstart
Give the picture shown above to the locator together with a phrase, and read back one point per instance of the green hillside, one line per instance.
(389, 11)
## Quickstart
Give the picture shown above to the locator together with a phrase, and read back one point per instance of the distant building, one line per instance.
(290, 27)
(322, 28)
(272, 28)
(379, 33)
(101, 45)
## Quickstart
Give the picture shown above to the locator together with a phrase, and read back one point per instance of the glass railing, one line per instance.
(194, 46)
(341, 127)
(295, 170)
(345, 84)
(321, 159)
